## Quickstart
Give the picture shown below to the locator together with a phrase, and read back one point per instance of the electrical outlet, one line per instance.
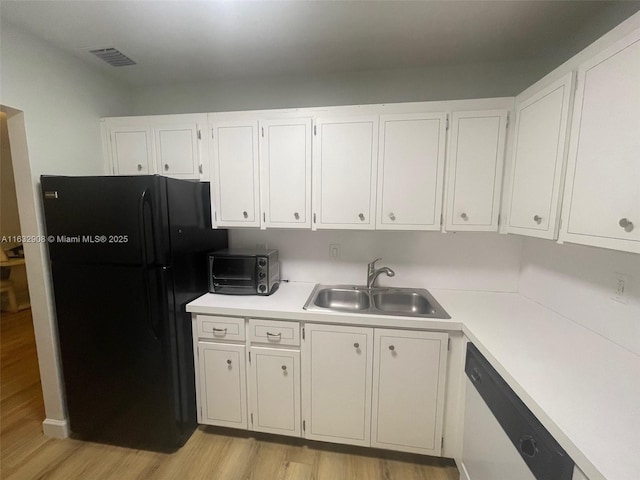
(620, 285)
(334, 251)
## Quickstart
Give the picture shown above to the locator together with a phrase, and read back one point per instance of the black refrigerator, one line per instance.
(127, 253)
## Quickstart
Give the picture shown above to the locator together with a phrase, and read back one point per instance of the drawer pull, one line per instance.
(284, 368)
(278, 335)
(220, 330)
(229, 362)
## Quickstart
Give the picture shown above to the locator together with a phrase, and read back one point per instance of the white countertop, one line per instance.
(583, 388)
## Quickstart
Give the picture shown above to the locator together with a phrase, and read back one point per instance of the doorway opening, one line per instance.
(21, 399)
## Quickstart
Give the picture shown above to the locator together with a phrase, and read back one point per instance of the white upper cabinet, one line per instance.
(602, 194)
(235, 194)
(474, 170)
(168, 145)
(538, 160)
(131, 149)
(285, 172)
(177, 145)
(344, 172)
(410, 171)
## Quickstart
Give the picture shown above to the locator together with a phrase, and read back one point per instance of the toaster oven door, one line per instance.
(233, 275)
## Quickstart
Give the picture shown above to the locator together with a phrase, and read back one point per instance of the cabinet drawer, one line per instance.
(274, 332)
(221, 328)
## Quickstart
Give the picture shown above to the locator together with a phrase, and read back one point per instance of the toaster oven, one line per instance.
(236, 271)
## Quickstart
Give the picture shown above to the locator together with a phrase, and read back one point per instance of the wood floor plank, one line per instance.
(210, 453)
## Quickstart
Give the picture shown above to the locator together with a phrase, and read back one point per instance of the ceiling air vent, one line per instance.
(113, 57)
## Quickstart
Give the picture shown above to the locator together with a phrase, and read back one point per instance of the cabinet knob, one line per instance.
(166, 167)
(284, 368)
(361, 216)
(626, 224)
(228, 362)
(245, 214)
(139, 167)
(356, 345)
(296, 215)
(392, 216)
(537, 219)
(464, 216)
(392, 348)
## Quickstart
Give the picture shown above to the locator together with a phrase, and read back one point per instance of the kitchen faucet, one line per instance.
(373, 274)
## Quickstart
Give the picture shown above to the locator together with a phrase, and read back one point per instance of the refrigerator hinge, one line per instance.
(252, 419)
(303, 333)
(262, 128)
(304, 425)
(315, 131)
(447, 127)
(199, 135)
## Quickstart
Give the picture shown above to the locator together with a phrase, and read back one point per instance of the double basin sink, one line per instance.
(407, 302)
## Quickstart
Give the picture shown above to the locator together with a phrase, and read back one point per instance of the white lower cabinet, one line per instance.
(223, 384)
(274, 376)
(409, 371)
(337, 365)
(363, 386)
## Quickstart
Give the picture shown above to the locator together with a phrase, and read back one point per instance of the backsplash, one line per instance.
(578, 282)
(466, 261)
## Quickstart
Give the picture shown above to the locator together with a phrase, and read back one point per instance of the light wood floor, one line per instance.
(217, 454)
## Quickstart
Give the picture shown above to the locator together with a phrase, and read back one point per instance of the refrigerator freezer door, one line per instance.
(108, 220)
(118, 351)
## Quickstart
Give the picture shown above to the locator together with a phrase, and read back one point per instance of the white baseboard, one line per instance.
(55, 428)
(464, 475)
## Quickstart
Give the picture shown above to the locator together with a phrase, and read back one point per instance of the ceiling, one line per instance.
(193, 41)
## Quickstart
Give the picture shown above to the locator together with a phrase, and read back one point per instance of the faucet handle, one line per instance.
(373, 264)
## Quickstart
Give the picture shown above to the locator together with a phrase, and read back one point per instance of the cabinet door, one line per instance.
(275, 390)
(411, 171)
(131, 149)
(223, 397)
(235, 181)
(337, 364)
(409, 370)
(344, 172)
(538, 160)
(178, 146)
(602, 195)
(474, 170)
(285, 172)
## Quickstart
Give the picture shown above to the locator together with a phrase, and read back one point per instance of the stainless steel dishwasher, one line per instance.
(503, 440)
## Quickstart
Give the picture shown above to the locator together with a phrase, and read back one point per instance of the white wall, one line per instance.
(59, 133)
(577, 282)
(467, 261)
(350, 88)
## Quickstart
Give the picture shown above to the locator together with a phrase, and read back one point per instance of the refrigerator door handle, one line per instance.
(144, 200)
(155, 310)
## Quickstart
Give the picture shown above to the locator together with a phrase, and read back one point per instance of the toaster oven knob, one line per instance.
(261, 275)
(262, 288)
(262, 262)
